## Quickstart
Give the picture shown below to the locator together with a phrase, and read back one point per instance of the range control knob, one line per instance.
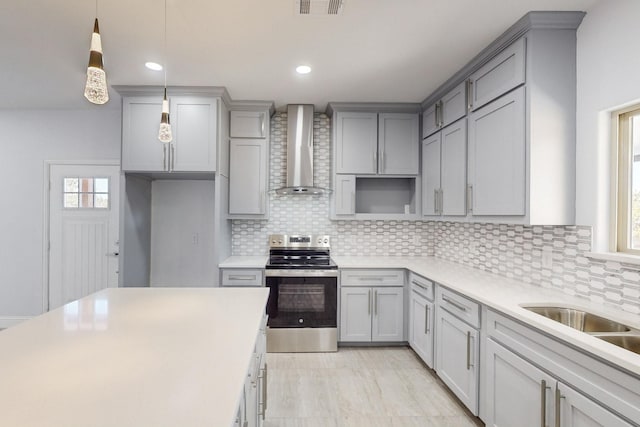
(301, 320)
(326, 241)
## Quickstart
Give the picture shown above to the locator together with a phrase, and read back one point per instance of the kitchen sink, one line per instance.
(628, 342)
(579, 319)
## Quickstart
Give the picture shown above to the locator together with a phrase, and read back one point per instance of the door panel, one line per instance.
(577, 410)
(431, 175)
(357, 143)
(195, 132)
(83, 236)
(454, 169)
(388, 318)
(355, 314)
(398, 144)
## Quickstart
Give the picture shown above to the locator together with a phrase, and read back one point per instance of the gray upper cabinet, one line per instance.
(356, 143)
(371, 143)
(450, 108)
(249, 124)
(444, 164)
(194, 126)
(497, 168)
(498, 76)
(249, 160)
(398, 144)
(248, 176)
(345, 195)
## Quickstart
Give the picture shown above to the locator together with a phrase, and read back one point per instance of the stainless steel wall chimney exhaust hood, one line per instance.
(300, 152)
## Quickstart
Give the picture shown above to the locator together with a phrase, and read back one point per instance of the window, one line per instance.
(628, 194)
(91, 193)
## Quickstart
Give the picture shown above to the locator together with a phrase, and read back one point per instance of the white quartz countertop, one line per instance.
(244, 262)
(143, 357)
(506, 296)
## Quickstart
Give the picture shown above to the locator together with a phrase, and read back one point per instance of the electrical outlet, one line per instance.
(547, 258)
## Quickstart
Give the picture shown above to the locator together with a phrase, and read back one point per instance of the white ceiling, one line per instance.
(377, 50)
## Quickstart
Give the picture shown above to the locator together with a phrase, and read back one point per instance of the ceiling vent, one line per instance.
(319, 7)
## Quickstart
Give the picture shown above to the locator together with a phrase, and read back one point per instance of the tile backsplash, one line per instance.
(547, 256)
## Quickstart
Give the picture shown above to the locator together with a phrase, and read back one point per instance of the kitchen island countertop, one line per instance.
(143, 357)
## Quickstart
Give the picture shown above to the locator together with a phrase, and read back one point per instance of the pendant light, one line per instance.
(96, 90)
(164, 134)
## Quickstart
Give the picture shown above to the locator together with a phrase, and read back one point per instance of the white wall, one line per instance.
(608, 76)
(27, 139)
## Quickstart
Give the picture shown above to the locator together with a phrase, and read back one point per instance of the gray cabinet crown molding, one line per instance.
(530, 21)
(372, 107)
(253, 106)
(145, 90)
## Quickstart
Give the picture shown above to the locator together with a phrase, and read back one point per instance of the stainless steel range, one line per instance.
(303, 296)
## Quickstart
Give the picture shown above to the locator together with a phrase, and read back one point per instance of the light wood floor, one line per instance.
(359, 387)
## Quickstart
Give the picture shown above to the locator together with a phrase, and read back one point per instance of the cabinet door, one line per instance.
(355, 314)
(421, 317)
(457, 358)
(431, 175)
(454, 169)
(454, 104)
(356, 143)
(345, 195)
(498, 76)
(388, 315)
(430, 121)
(577, 410)
(194, 122)
(517, 393)
(141, 149)
(497, 145)
(247, 176)
(248, 124)
(398, 143)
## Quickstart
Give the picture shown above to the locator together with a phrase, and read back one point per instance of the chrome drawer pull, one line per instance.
(455, 304)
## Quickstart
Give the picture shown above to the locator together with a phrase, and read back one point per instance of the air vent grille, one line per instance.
(319, 7)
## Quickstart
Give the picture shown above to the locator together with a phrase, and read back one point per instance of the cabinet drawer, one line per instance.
(498, 76)
(372, 277)
(243, 277)
(421, 285)
(458, 305)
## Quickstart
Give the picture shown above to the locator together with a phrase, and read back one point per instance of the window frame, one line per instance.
(623, 179)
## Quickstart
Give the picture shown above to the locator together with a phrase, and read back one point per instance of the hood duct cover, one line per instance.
(300, 152)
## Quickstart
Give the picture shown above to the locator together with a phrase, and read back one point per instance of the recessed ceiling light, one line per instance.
(153, 66)
(303, 69)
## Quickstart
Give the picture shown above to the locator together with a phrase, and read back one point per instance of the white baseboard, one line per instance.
(8, 321)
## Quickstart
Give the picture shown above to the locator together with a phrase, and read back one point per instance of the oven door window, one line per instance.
(302, 302)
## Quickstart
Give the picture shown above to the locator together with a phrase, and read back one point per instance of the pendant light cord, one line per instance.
(165, 44)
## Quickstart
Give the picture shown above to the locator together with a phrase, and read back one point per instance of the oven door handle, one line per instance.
(300, 273)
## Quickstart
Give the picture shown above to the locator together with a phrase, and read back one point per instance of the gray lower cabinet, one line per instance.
(371, 314)
(248, 176)
(194, 126)
(242, 277)
(422, 318)
(253, 400)
(533, 380)
(458, 345)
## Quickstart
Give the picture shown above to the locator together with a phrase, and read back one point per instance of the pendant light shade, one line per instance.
(96, 90)
(164, 134)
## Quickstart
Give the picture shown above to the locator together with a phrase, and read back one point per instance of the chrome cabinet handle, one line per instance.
(353, 203)
(376, 278)
(437, 115)
(262, 124)
(426, 319)
(382, 161)
(375, 302)
(261, 207)
(441, 122)
(435, 201)
(557, 408)
(420, 285)
(375, 160)
(455, 304)
(468, 350)
(262, 406)
(173, 157)
(164, 157)
(369, 302)
(441, 201)
(543, 403)
(242, 277)
(469, 95)
(470, 198)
